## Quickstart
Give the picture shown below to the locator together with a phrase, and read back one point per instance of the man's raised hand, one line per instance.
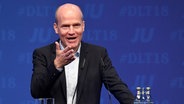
(63, 57)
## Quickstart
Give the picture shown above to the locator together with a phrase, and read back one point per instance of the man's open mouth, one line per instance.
(71, 38)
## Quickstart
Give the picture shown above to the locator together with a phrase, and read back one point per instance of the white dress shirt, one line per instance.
(71, 74)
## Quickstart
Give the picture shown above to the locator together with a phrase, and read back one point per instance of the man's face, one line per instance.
(70, 28)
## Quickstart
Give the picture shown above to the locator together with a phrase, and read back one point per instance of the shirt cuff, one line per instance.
(60, 69)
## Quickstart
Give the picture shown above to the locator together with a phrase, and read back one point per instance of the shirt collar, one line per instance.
(77, 54)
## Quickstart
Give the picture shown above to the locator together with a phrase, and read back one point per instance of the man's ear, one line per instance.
(55, 26)
(83, 26)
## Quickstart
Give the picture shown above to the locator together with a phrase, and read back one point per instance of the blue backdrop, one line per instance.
(144, 38)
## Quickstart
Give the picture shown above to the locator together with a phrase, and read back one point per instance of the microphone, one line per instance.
(109, 94)
(83, 63)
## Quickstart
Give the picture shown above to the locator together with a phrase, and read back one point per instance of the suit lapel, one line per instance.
(83, 63)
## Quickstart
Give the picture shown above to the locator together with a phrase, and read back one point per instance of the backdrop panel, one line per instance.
(144, 38)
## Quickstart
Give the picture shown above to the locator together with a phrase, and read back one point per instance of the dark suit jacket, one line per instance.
(95, 68)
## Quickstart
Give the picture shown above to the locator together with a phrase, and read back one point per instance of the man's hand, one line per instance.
(63, 57)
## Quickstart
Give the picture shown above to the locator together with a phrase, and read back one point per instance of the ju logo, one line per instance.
(177, 35)
(177, 82)
(93, 11)
(143, 35)
(41, 35)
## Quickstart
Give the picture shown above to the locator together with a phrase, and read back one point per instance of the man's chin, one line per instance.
(72, 45)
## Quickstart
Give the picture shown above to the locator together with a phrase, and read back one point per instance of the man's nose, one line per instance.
(71, 29)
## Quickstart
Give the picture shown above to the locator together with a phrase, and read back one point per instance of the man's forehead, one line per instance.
(68, 8)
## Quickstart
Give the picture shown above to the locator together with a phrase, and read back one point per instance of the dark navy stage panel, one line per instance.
(144, 39)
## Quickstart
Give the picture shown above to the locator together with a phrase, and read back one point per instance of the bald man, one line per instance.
(72, 71)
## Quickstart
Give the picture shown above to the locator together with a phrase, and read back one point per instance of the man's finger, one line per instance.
(67, 49)
(70, 56)
(71, 51)
(57, 46)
